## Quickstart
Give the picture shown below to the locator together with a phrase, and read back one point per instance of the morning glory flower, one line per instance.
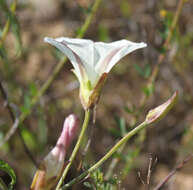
(92, 61)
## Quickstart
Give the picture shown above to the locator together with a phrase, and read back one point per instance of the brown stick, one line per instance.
(177, 168)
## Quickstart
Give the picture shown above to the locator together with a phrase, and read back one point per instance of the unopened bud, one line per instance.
(51, 168)
(159, 112)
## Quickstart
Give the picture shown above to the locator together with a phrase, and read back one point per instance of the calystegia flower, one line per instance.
(92, 61)
(51, 168)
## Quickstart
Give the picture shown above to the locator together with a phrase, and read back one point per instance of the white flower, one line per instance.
(92, 61)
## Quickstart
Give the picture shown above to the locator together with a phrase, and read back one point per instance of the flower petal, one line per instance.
(111, 53)
(74, 58)
(79, 51)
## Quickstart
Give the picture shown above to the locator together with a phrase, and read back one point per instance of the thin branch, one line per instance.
(14, 117)
(6, 102)
(179, 166)
(14, 114)
(140, 178)
(11, 132)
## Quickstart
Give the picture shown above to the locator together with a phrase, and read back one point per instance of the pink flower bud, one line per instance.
(53, 164)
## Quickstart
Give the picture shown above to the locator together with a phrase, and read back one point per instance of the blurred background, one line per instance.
(26, 62)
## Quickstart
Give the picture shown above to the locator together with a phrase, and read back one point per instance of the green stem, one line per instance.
(108, 155)
(88, 20)
(79, 142)
(7, 24)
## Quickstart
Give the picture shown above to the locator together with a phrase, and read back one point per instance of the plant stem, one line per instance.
(89, 18)
(108, 155)
(79, 142)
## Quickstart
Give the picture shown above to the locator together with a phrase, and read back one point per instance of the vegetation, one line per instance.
(127, 139)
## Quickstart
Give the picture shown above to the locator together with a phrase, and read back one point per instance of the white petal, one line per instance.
(111, 53)
(79, 51)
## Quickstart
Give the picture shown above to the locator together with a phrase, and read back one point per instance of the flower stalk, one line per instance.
(107, 156)
(79, 142)
(153, 116)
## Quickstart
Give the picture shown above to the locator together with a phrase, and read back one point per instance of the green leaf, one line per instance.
(148, 90)
(122, 126)
(147, 71)
(29, 138)
(27, 105)
(42, 131)
(139, 70)
(129, 110)
(6, 168)
(3, 53)
(33, 89)
(144, 72)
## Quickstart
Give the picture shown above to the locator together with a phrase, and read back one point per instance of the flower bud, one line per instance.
(159, 112)
(52, 166)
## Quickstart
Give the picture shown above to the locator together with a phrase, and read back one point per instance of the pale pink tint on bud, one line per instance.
(53, 164)
(68, 133)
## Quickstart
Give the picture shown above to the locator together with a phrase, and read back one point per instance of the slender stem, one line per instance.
(89, 18)
(108, 155)
(79, 142)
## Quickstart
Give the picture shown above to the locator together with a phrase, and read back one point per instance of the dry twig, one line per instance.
(177, 168)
